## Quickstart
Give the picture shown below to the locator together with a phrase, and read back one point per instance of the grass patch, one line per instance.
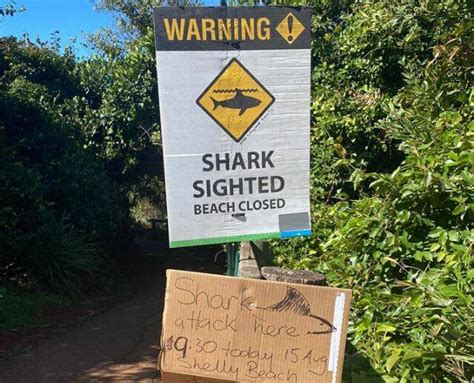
(20, 309)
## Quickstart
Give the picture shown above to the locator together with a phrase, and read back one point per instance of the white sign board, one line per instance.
(234, 90)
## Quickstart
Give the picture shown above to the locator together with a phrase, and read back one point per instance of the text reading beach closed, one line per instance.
(234, 87)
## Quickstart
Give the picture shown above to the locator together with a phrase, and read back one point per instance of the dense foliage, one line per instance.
(59, 207)
(120, 119)
(79, 151)
(392, 183)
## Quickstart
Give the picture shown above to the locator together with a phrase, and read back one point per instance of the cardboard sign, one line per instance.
(227, 329)
(234, 90)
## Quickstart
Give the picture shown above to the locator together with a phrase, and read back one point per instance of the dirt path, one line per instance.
(122, 344)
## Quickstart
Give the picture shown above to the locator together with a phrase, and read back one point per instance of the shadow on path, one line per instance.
(122, 343)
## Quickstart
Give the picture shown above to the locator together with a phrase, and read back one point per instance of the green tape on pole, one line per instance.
(213, 241)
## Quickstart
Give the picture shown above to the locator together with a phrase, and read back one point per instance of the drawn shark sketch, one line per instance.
(239, 101)
(295, 302)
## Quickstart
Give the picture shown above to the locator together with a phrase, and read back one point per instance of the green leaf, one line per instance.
(384, 327)
(393, 359)
(453, 235)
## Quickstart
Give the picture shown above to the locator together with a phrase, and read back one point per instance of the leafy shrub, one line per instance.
(392, 185)
(60, 258)
(58, 205)
(18, 308)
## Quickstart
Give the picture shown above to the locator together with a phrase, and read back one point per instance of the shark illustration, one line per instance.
(239, 101)
(295, 303)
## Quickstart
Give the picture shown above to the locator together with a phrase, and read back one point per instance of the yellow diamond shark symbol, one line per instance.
(235, 100)
(290, 28)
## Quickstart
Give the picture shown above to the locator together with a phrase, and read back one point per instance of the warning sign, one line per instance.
(235, 100)
(290, 28)
(234, 91)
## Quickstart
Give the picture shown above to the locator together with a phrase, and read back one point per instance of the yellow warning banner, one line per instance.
(230, 28)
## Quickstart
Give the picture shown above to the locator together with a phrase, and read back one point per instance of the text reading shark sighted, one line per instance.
(230, 186)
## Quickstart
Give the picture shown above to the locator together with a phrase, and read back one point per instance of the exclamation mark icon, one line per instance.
(290, 27)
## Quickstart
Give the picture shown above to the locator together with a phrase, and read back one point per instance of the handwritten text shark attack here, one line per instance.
(190, 294)
(220, 318)
(224, 187)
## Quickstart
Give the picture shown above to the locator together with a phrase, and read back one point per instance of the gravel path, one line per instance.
(122, 344)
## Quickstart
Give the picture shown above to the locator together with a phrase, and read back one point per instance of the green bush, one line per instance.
(59, 207)
(60, 258)
(392, 184)
(18, 308)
